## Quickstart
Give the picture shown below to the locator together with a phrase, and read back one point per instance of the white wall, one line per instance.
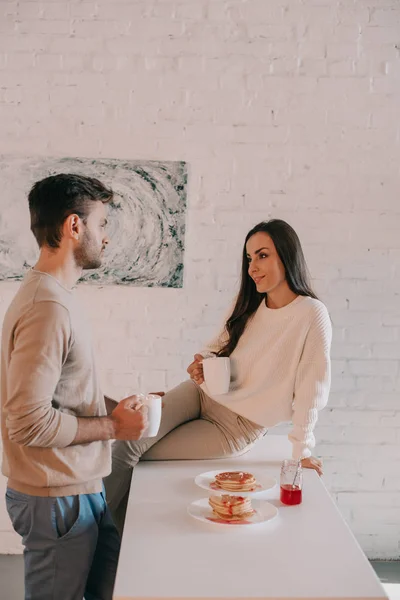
(282, 108)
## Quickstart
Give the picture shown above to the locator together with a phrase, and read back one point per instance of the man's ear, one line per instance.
(72, 227)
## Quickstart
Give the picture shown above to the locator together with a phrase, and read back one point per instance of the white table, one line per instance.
(306, 552)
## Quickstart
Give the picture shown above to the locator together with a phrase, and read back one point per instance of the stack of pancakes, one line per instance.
(235, 481)
(231, 508)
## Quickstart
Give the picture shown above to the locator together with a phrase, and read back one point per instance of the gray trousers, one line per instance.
(193, 427)
(71, 545)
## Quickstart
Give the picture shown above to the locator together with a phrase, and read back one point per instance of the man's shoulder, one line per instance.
(40, 295)
(45, 288)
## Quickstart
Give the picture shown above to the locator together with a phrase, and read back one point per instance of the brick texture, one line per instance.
(283, 109)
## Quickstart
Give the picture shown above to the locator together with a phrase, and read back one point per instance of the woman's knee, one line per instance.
(182, 403)
(184, 389)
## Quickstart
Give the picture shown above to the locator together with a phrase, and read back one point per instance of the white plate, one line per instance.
(206, 480)
(263, 512)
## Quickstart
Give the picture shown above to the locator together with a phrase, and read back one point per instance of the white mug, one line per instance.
(153, 403)
(217, 374)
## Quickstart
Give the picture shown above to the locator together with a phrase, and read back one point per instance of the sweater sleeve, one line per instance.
(312, 384)
(40, 347)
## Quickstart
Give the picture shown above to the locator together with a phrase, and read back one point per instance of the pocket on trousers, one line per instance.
(66, 516)
(19, 511)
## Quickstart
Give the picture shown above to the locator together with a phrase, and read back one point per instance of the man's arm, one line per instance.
(42, 340)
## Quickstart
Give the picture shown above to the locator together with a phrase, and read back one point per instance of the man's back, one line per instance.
(48, 379)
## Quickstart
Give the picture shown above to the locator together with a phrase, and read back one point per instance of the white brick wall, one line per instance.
(282, 108)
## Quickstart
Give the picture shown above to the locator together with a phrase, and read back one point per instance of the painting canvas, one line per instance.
(146, 218)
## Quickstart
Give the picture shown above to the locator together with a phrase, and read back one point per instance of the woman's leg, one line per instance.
(219, 433)
(182, 404)
(197, 440)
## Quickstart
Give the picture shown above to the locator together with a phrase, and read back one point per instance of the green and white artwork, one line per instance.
(146, 218)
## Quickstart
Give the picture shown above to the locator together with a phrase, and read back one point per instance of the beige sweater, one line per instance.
(48, 379)
(280, 369)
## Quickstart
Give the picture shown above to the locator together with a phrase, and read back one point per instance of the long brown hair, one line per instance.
(290, 252)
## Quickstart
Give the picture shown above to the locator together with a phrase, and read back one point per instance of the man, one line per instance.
(56, 424)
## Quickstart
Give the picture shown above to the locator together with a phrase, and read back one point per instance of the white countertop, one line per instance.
(306, 552)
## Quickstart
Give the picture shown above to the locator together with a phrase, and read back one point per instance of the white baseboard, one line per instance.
(10, 543)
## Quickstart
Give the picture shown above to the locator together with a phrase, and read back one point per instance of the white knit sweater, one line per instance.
(280, 369)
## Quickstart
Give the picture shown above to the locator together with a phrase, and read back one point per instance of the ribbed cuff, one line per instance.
(207, 354)
(299, 452)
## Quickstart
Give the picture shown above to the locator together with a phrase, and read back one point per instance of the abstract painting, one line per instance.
(146, 218)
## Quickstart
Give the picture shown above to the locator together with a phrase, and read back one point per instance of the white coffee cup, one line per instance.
(153, 403)
(217, 374)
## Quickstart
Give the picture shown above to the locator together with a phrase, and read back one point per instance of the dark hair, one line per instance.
(290, 252)
(54, 198)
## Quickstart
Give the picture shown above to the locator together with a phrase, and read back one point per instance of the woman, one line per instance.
(278, 338)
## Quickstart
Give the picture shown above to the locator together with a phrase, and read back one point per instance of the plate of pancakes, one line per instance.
(234, 483)
(232, 510)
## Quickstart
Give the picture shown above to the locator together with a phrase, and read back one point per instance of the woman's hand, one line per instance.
(195, 369)
(313, 463)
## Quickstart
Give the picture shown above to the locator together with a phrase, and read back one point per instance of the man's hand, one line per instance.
(129, 419)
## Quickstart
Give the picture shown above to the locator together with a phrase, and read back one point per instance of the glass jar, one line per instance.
(291, 482)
